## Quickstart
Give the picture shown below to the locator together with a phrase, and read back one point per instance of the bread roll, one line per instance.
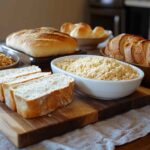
(67, 27)
(42, 42)
(98, 32)
(81, 30)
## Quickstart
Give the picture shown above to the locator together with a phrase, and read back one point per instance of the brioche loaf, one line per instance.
(11, 74)
(130, 48)
(9, 96)
(42, 42)
(83, 30)
(42, 96)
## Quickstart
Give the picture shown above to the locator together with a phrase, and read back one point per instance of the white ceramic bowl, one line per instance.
(101, 89)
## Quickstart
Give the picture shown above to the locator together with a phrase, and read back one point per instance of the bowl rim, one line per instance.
(108, 33)
(140, 72)
(15, 57)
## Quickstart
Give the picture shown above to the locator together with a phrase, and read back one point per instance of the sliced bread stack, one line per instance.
(35, 93)
(130, 48)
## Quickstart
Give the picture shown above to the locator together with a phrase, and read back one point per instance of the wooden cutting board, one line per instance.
(82, 111)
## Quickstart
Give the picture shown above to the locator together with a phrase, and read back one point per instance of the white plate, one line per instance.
(101, 89)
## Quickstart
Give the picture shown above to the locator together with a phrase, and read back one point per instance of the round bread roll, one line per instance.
(81, 30)
(66, 27)
(98, 32)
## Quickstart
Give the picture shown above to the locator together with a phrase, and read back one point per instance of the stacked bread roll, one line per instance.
(129, 48)
(83, 30)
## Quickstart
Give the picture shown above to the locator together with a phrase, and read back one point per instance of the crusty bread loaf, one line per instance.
(42, 42)
(42, 96)
(10, 74)
(9, 96)
(83, 30)
(130, 48)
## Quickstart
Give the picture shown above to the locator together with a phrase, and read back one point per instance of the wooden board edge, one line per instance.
(24, 139)
(124, 107)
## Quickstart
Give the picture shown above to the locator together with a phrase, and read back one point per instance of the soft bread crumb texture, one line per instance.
(36, 88)
(99, 68)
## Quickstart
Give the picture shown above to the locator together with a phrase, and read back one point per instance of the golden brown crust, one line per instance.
(66, 27)
(42, 42)
(45, 104)
(138, 53)
(113, 47)
(146, 48)
(83, 30)
(131, 48)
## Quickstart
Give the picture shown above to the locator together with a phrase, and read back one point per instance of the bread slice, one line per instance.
(113, 47)
(128, 47)
(10, 74)
(42, 96)
(139, 53)
(8, 95)
(146, 48)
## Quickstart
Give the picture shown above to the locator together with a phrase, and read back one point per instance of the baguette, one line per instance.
(42, 96)
(8, 95)
(11, 74)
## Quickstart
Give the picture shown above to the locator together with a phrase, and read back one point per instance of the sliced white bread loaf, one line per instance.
(8, 95)
(42, 96)
(10, 74)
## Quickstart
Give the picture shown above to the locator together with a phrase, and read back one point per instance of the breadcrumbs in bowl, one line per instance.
(99, 77)
(8, 60)
(98, 68)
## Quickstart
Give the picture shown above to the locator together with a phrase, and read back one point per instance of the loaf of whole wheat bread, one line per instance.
(129, 48)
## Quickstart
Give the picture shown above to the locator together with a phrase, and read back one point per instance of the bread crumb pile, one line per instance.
(99, 68)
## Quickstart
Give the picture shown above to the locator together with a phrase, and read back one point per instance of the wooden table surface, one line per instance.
(142, 143)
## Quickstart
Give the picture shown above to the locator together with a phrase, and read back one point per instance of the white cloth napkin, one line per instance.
(104, 135)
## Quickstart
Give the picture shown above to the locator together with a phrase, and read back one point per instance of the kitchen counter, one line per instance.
(138, 3)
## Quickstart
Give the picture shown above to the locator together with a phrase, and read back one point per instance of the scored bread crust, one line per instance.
(44, 104)
(42, 42)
